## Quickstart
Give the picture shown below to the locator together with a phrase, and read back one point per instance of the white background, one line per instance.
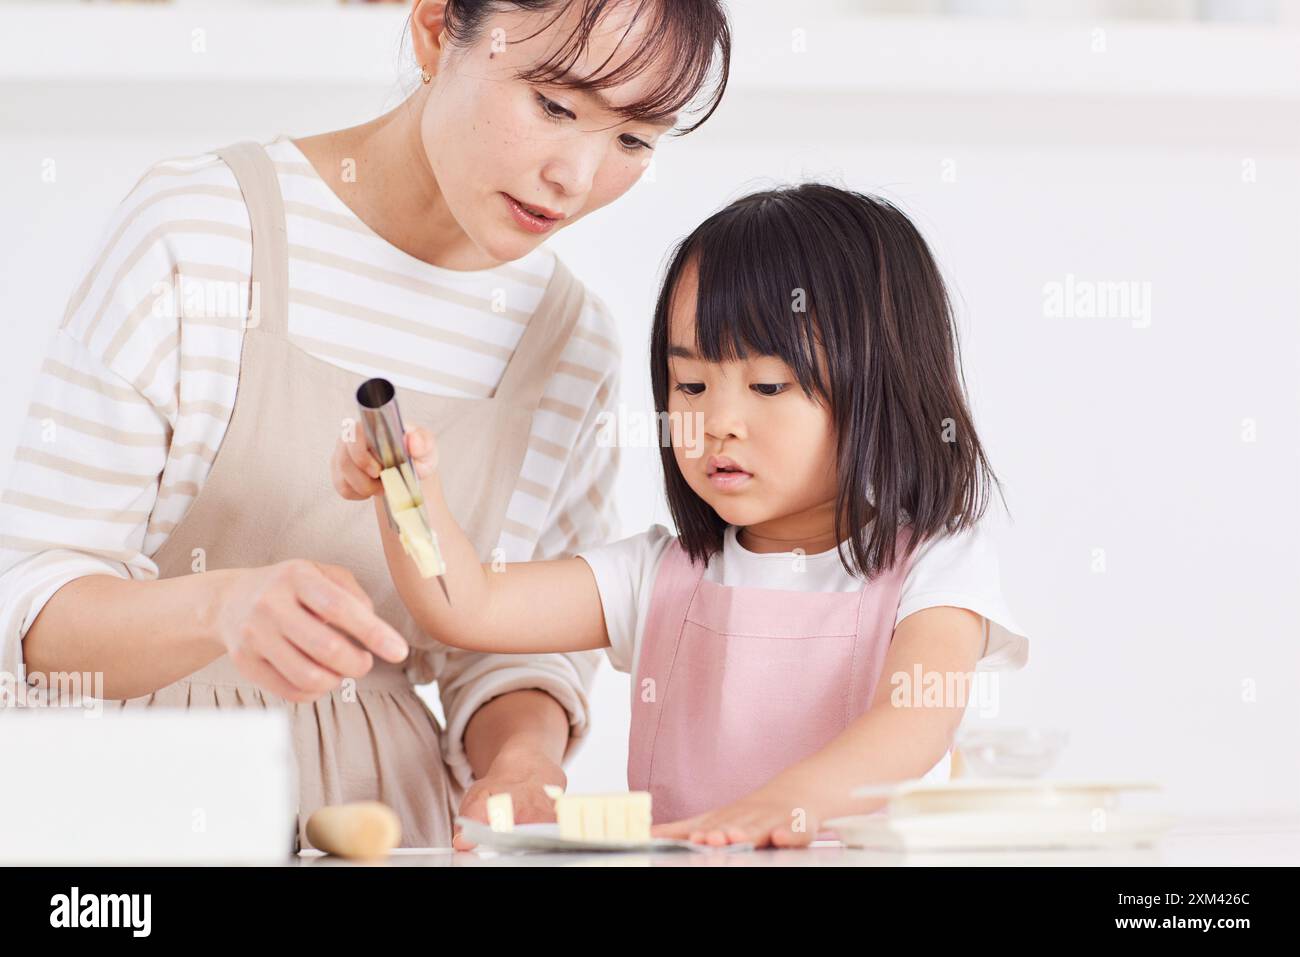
(1179, 661)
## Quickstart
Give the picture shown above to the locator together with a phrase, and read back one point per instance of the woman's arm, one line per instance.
(140, 635)
(547, 606)
(287, 627)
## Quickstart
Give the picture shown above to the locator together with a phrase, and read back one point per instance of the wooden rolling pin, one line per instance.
(363, 830)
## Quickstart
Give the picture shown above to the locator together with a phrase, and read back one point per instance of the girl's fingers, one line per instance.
(675, 830)
(361, 484)
(784, 837)
(346, 476)
(421, 447)
(738, 835)
(360, 456)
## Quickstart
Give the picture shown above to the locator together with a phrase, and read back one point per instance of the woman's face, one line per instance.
(492, 138)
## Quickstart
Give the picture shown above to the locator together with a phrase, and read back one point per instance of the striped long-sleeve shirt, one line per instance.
(138, 387)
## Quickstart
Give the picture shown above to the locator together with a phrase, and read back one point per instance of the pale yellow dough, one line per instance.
(413, 533)
(501, 812)
(603, 817)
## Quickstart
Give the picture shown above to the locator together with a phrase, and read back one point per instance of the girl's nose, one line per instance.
(724, 422)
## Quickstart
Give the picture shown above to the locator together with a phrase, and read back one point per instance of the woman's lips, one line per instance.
(527, 220)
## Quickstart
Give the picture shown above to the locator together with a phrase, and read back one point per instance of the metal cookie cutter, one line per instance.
(377, 401)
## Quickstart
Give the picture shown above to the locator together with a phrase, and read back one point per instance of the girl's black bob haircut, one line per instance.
(843, 289)
(685, 36)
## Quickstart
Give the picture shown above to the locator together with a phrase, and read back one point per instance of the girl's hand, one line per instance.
(355, 471)
(765, 818)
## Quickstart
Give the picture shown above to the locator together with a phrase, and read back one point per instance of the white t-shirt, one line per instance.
(959, 570)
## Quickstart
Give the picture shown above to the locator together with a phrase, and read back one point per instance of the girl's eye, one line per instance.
(632, 144)
(549, 108)
(776, 388)
(689, 387)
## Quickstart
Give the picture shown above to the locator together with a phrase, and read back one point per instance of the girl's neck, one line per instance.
(811, 531)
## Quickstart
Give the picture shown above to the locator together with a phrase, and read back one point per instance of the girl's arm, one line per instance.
(897, 740)
(891, 741)
(526, 607)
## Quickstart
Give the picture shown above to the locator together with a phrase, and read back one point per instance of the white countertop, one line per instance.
(1205, 841)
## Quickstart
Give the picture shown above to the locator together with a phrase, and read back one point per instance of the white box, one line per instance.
(165, 786)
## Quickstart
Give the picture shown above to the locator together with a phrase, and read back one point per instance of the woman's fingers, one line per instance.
(337, 606)
(344, 578)
(300, 671)
(260, 671)
(325, 645)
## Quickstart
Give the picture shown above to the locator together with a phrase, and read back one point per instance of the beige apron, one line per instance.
(269, 498)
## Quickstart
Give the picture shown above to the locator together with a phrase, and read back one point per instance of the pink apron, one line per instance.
(735, 684)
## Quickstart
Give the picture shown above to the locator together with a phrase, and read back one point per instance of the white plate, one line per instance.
(993, 795)
(1002, 830)
(546, 837)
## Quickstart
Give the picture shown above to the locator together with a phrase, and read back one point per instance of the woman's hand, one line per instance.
(766, 818)
(355, 470)
(520, 774)
(298, 628)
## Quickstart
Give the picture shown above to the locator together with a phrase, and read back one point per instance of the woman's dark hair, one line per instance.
(685, 35)
(874, 302)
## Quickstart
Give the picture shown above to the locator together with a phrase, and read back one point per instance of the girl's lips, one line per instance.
(525, 219)
(729, 481)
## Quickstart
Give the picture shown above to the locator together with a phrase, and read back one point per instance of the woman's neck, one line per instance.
(392, 188)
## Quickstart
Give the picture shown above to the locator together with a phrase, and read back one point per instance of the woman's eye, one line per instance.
(770, 388)
(550, 108)
(632, 144)
(690, 388)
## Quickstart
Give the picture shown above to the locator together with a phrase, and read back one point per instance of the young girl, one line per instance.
(828, 562)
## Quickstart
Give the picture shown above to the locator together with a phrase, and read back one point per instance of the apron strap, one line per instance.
(673, 593)
(548, 331)
(269, 281)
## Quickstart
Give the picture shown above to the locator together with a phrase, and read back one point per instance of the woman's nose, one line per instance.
(573, 168)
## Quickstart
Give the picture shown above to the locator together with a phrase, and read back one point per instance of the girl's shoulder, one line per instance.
(640, 552)
(962, 569)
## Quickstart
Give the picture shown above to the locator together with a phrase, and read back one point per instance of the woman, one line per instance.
(165, 523)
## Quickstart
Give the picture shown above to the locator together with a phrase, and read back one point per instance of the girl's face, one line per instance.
(751, 416)
(491, 138)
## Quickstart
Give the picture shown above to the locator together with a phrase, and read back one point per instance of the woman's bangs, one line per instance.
(684, 39)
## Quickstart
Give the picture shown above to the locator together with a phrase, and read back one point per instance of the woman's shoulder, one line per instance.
(596, 328)
(183, 221)
(186, 183)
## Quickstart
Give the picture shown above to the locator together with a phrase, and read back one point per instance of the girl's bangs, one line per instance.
(755, 296)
